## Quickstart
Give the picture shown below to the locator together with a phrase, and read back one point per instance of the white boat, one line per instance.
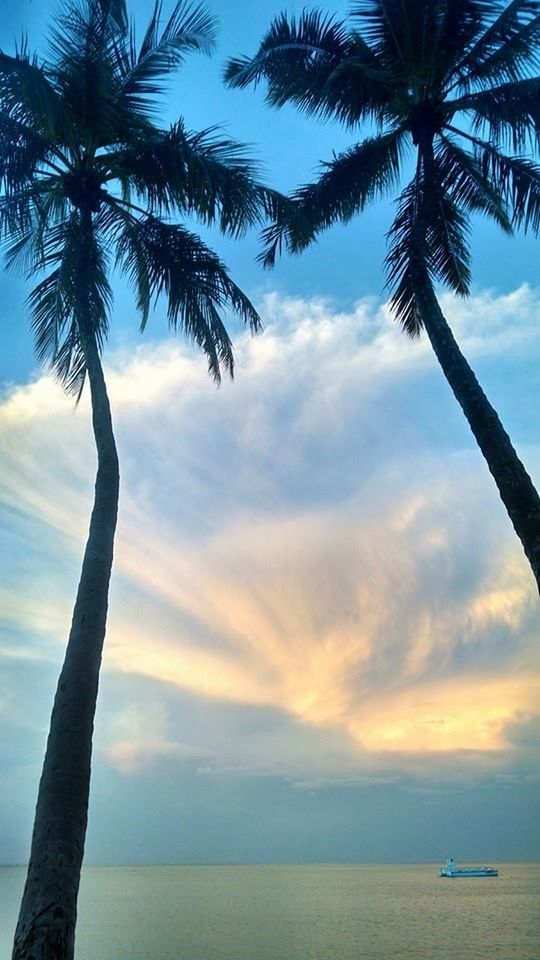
(452, 870)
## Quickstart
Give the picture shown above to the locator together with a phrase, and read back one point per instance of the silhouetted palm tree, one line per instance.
(449, 84)
(88, 175)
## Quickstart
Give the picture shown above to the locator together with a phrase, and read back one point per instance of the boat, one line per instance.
(452, 870)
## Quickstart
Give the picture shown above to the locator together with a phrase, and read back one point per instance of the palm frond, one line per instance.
(510, 113)
(22, 210)
(116, 12)
(516, 180)
(406, 33)
(82, 33)
(189, 28)
(420, 41)
(22, 149)
(407, 244)
(25, 219)
(93, 55)
(447, 238)
(506, 48)
(28, 95)
(468, 182)
(55, 302)
(315, 42)
(428, 236)
(523, 178)
(365, 172)
(386, 26)
(131, 253)
(167, 260)
(201, 173)
(84, 45)
(458, 25)
(314, 63)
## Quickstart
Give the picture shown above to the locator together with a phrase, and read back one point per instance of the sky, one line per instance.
(323, 633)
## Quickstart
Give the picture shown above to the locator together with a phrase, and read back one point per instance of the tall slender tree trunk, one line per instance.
(515, 486)
(46, 926)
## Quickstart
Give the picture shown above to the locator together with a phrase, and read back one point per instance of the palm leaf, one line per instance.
(405, 33)
(28, 94)
(167, 260)
(21, 210)
(420, 41)
(202, 174)
(386, 27)
(22, 149)
(25, 220)
(406, 240)
(516, 180)
(468, 182)
(509, 112)
(459, 23)
(447, 237)
(54, 302)
(429, 235)
(189, 28)
(116, 13)
(315, 42)
(312, 62)
(348, 183)
(85, 46)
(508, 46)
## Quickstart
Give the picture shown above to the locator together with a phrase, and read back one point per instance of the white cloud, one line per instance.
(315, 538)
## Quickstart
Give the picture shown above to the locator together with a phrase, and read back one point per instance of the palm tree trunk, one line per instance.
(514, 483)
(46, 926)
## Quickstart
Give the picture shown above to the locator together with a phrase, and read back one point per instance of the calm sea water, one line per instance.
(297, 913)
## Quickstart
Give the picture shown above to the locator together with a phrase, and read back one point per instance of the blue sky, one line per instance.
(323, 636)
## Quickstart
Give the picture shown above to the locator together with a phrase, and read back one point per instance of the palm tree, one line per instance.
(86, 173)
(446, 88)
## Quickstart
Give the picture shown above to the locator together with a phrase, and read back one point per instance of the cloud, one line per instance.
(489, 323)
(339, 623)
(319, 541)
(137, 735)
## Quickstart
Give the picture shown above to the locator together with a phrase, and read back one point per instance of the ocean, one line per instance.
(311, 912)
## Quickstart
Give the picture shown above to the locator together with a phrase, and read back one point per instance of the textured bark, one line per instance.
(46, 927)
(515, 486)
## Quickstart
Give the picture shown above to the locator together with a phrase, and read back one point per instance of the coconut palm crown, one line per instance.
(447, 90)
(80, 147)
(90, 182)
